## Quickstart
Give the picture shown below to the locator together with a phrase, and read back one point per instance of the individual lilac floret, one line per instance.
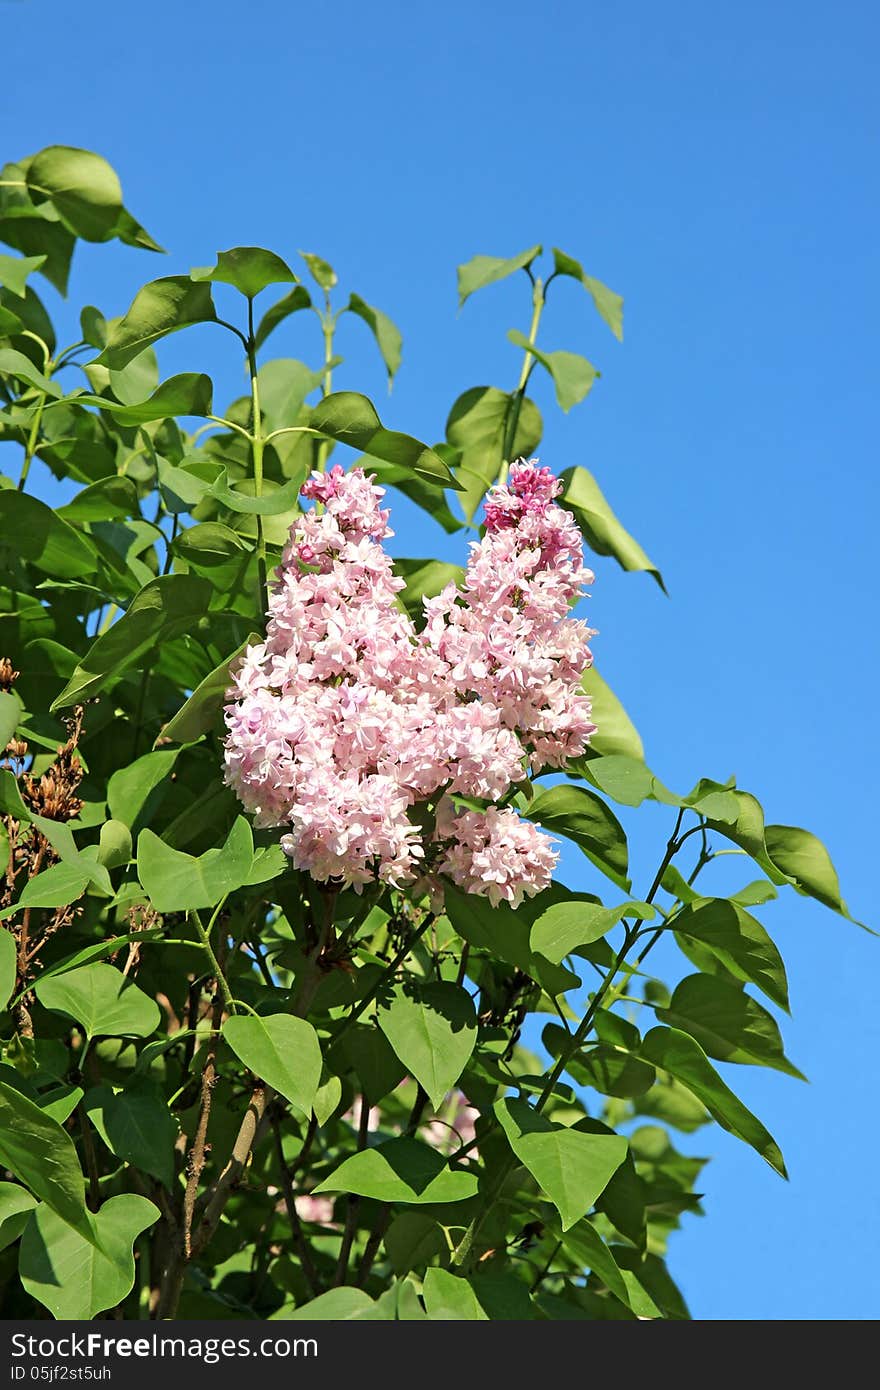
(346, 719)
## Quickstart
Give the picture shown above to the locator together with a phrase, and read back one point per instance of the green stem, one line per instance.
(258, 444)
(538, 301)
(205, 938)
(31, 446)
(328, 325)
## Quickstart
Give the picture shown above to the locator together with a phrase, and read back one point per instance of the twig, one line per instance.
(90, 1157)
(354, 1201)
(299, 1241)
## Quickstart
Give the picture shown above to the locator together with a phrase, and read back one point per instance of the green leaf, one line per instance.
(321, 270)
(10, 714)
(54, 887)
(806, 863)
(36, 235)
(189, 393)
(727, 1023)
(13, 363)
(31, 531)
(132, 790)
(737, 941)
(327, 1097)
(281, 1049)
(481, 271)
(588, 1247)
(401, 1170)
(82, 186)
(451, 1299)
(274, 502)
(602, 531)
(16, 1203)
(571, 1167)
(607, 1069)
(208, 544)
(608, 304)
(72, 1278)
(41, 1154)
(583, 817)
(336, 1305)
(425, 579)
(60, 1102)
(133, 383)
(93, 326)
(626, 780)
(572, 375)
(683, 1058)
(199, 713)
(433, 1029)
(10, 323)
(565, 926)
(102, 1000)
(504, 933)
(249, 268)
(178, 882)
(136, 1125)
(476, 428)
(351, 419)
(161, 307)
(99, 949)
(109, 499)
(7, 967)
(14, 271)
(161, 610)
(367, 1053)
(284, 384)
(675, 1105)
(383, 330)
(298, 298)
(114, 844)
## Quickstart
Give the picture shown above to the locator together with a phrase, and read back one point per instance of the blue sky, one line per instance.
(717, 166)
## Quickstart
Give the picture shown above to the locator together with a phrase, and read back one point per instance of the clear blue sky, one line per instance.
(718, 166)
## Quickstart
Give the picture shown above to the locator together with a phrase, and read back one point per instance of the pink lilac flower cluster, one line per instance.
(347, 719)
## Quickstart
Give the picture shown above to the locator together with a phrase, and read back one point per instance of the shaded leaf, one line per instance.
(201, 710)
(41, 1154)
(189, 393)
(351, 419)
(15, 1205)
(160, 611)
(161, 307)
(31, 531)
(583, 817)
(727, 1023)
(387, 335)
(739, 943)
(298, 298)
(683, 1058)
(602, 531)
